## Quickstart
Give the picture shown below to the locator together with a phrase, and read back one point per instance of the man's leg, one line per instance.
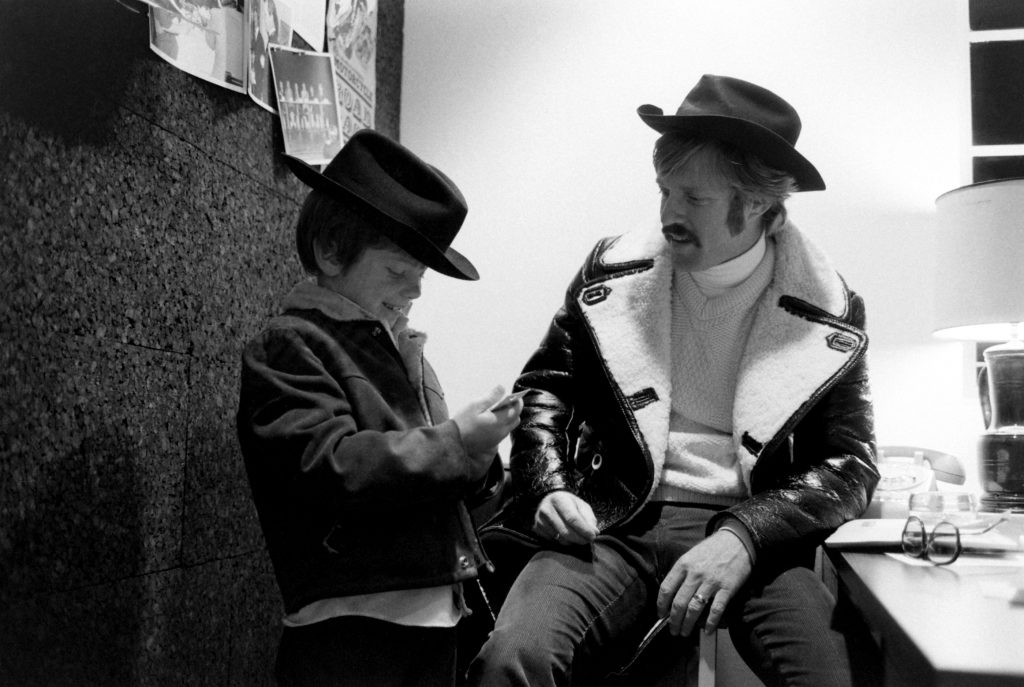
(784, 626)
(571, 617)
(563, 618)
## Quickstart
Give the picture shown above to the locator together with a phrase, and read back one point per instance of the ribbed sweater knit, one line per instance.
(712, 313)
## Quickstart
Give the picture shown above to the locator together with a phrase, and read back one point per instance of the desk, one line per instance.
(936, 626)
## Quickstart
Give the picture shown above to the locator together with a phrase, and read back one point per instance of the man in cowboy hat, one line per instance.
(360, 479)
(697, 422)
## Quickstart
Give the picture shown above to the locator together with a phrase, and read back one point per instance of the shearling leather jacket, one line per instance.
(596, 419)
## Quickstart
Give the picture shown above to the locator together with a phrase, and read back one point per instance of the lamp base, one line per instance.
(1002, 471)
(1012, 503)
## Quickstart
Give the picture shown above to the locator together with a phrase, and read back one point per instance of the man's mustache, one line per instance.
(678, 232)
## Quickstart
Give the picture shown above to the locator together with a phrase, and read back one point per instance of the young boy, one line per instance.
(360, 479)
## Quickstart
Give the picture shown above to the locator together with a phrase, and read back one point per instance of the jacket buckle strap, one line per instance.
(751, 444)
(595, 294)
(642, 398)
(841, 341)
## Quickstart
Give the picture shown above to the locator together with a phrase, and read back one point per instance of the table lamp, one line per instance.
(980, 297)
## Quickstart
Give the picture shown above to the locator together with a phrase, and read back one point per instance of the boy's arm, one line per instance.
(295, 421)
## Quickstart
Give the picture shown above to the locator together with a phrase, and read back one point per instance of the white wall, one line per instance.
(530, 106)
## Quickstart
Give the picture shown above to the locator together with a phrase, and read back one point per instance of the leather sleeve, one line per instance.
(544, 442)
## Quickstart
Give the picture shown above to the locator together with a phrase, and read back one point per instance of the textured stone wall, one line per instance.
(145, 233)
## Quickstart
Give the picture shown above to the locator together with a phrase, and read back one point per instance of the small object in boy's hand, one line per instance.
(507, 401)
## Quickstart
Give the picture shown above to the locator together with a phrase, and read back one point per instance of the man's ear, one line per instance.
(326, 260)
(757, 207)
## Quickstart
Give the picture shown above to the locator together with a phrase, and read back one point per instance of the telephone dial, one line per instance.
(905, 470)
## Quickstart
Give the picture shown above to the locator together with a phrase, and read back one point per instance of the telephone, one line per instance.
(905, 470)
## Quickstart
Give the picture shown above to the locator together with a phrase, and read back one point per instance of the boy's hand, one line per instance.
(483, 428)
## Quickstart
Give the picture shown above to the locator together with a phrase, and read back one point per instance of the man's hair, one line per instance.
(747, 174)
(341, 229)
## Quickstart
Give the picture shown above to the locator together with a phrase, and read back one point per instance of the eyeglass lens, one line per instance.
(944, 544)
(914, 538)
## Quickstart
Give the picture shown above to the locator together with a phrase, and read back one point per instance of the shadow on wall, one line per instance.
(59, 55)
(145, 233)
(60, 551)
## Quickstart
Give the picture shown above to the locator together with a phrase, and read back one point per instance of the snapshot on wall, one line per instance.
(202, 38)
(352, 41)
(265, 26)
(327, 52)
(304, 82)
(288, 23)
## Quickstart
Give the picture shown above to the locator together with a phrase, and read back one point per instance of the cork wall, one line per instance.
(145, 234)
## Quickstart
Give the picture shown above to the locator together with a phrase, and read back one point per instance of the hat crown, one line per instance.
(745, 115)
(418, 207)
(395, 182)
(725, 96)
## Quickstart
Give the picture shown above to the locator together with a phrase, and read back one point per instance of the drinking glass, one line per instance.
(957, 507)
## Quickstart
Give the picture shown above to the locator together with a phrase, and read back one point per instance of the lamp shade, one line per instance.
(979, 281)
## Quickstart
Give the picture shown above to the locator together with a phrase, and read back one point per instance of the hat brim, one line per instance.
(448, 262)
(766, 144)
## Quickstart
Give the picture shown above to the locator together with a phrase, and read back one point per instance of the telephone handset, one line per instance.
(944, 466)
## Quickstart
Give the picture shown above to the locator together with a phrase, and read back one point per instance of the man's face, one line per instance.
(385, 281)
(694, 218)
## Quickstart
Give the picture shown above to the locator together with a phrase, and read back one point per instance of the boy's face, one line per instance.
(384, 281)
(695, 219)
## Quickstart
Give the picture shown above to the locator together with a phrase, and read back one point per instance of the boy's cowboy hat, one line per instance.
(750, 117)
(419, 208)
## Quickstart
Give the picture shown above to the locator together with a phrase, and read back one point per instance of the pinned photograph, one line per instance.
(306, 105)
(352, 41)
(267, 24)
(201, 37)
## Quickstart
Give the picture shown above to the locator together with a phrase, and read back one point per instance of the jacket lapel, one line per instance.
(793, 351)
(629, 314)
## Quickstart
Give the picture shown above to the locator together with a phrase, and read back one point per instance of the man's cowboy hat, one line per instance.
(419, 208)
(750, 117)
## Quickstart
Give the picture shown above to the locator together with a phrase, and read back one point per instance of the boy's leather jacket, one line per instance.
(360, 479)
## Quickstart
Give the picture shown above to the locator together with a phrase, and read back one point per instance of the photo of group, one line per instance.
(304, 82)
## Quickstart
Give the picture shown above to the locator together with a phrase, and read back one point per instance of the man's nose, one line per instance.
(672, 210)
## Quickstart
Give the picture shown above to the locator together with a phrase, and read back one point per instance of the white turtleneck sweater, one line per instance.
(712, 312)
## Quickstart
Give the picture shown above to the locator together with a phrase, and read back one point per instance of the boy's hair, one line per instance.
(746, 173)
(341, 229)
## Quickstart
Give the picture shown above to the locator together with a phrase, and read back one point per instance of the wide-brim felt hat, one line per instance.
(746, 115)
(418, 207)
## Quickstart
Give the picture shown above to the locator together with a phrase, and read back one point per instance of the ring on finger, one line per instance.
(700, 599)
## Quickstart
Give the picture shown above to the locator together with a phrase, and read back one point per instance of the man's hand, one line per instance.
(708, 575)
(565, 518)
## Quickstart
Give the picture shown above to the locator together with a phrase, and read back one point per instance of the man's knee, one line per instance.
(515, 654)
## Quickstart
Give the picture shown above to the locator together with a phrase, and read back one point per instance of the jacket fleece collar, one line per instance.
(787, 359)
(307, 295)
